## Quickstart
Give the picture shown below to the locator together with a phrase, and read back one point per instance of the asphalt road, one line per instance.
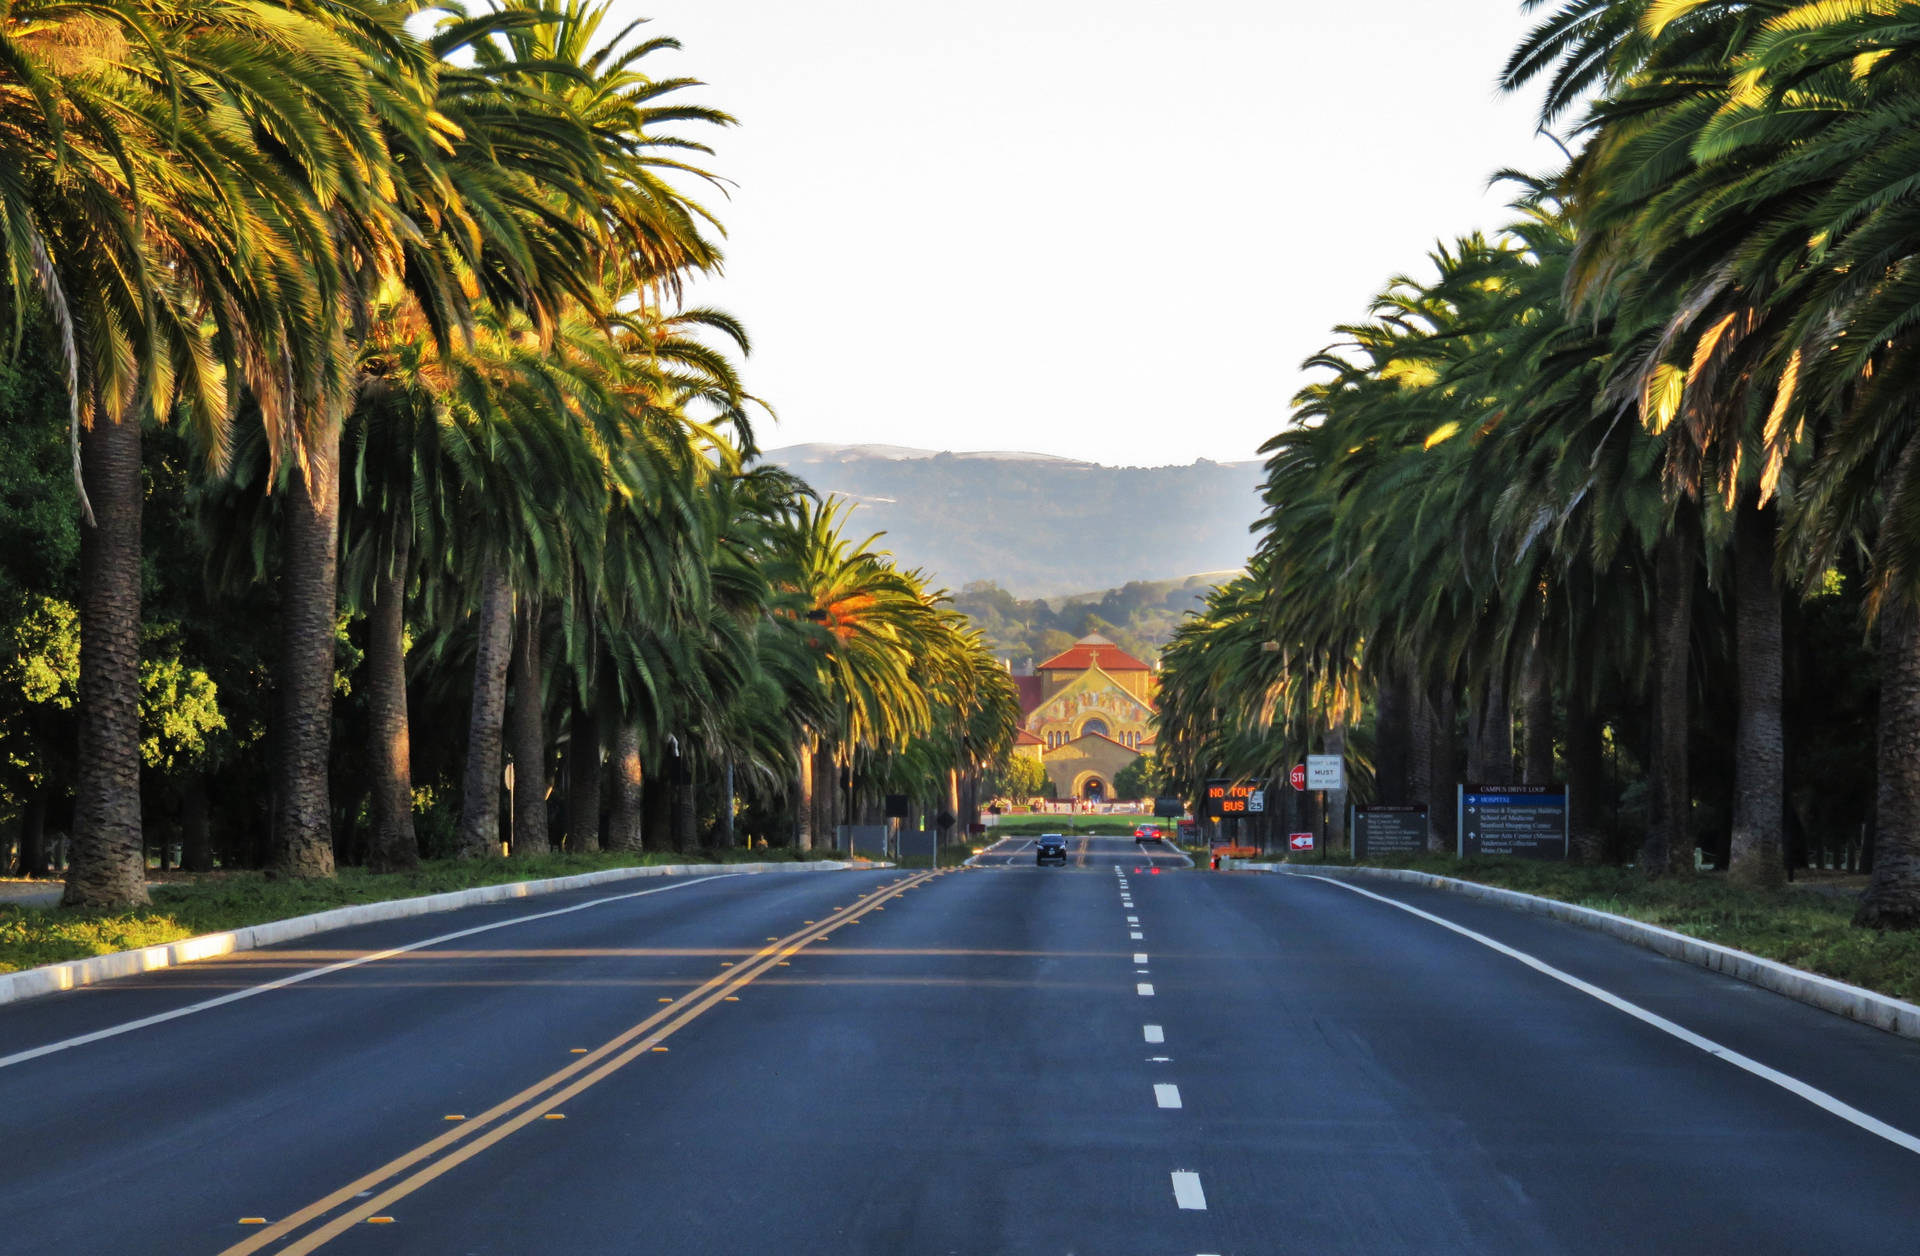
(997, 1060)
(1086, 851)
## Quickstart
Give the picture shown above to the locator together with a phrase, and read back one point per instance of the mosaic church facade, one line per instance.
(1087, 713)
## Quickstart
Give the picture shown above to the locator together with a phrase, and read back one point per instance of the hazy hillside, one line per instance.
(1039, 526)
(1138, 617)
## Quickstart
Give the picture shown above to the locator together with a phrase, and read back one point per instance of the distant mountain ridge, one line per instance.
(1038, 525)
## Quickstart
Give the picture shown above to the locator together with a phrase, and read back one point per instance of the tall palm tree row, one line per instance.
(1615, 458)
(410, 277)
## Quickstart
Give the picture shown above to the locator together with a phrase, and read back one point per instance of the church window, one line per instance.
(1092, 727)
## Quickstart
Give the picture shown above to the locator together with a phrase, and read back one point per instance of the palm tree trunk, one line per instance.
(624, 824)
(303, 814)
(1490, 732)
(1669, 844)
(196, 837)
(1335, 744)
(479, 833)
(803, 807)
(393, 847)
(656, 810)
(529, 739)
(583, 777)
(1892, 896)
(1391, 740)
(685, 836)
(1442, 768)
(1754, 855)
(1586, 776)
(107, 864)
(726, 807)
(33, 835)
(1420, 754)
(1537, 713)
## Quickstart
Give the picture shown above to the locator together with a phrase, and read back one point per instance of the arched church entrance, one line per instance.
(1095, 790)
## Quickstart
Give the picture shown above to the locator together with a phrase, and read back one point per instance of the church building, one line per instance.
(1086, 713)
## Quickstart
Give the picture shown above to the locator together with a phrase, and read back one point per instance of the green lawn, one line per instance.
(1796, 926)
(31, 936)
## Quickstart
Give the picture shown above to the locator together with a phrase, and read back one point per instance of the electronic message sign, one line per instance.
(1227, 798)
(1529, 821)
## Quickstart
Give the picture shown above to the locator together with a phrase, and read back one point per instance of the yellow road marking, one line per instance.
(496, 1122)
(456, 1116)
(553, 1116)
(253, 1221)
(379, 1220)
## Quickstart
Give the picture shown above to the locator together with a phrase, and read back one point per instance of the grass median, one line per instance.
(1798, 925)
(214, 902)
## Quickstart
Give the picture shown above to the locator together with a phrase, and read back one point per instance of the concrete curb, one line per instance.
(1877, 1010)
(51, 978)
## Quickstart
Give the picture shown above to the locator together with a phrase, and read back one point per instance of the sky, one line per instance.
(1103, 229)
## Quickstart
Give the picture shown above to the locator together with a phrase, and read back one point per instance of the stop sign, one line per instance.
(1298, 776)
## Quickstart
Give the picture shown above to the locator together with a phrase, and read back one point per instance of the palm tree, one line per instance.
(168, 255)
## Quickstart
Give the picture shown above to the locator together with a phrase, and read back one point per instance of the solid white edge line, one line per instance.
(280, 983)
(1166, 1094)
(1792, 1085)
(1153, 1033)
(1187, 1192)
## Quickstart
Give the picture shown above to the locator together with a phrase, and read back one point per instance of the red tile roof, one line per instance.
(1025, 738)
(1108, 656)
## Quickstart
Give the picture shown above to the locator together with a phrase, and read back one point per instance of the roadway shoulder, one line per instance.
(1878, 1010)
(71, 974)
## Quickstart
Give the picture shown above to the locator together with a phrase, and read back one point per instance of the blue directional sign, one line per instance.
(1529, 821)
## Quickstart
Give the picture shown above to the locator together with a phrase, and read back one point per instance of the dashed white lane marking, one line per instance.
(1133, 920)
(1144, 989)
(1136, 936)
(1166, 1094)
(1792, 1085)
(309, 974)
(1139, 957)
(1153, 1033)
(1187, 1192)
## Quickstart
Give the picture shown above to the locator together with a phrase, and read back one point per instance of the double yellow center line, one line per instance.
(412, 1170)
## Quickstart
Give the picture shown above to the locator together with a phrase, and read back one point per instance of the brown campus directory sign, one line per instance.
(1389, 829)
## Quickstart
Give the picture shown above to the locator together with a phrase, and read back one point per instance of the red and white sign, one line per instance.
(1298, 776)
(1300, 841)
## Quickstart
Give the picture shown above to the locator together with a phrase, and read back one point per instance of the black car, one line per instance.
(1053, 849)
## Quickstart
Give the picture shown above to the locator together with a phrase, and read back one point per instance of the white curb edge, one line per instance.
(1878, 1010)
(30, 983)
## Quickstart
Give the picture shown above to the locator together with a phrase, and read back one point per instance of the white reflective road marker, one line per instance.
(1792, 1085)
(1139, 957)
(1166, 1094)
(1154, 1033)
(1187, 1192)
(1144, 989)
